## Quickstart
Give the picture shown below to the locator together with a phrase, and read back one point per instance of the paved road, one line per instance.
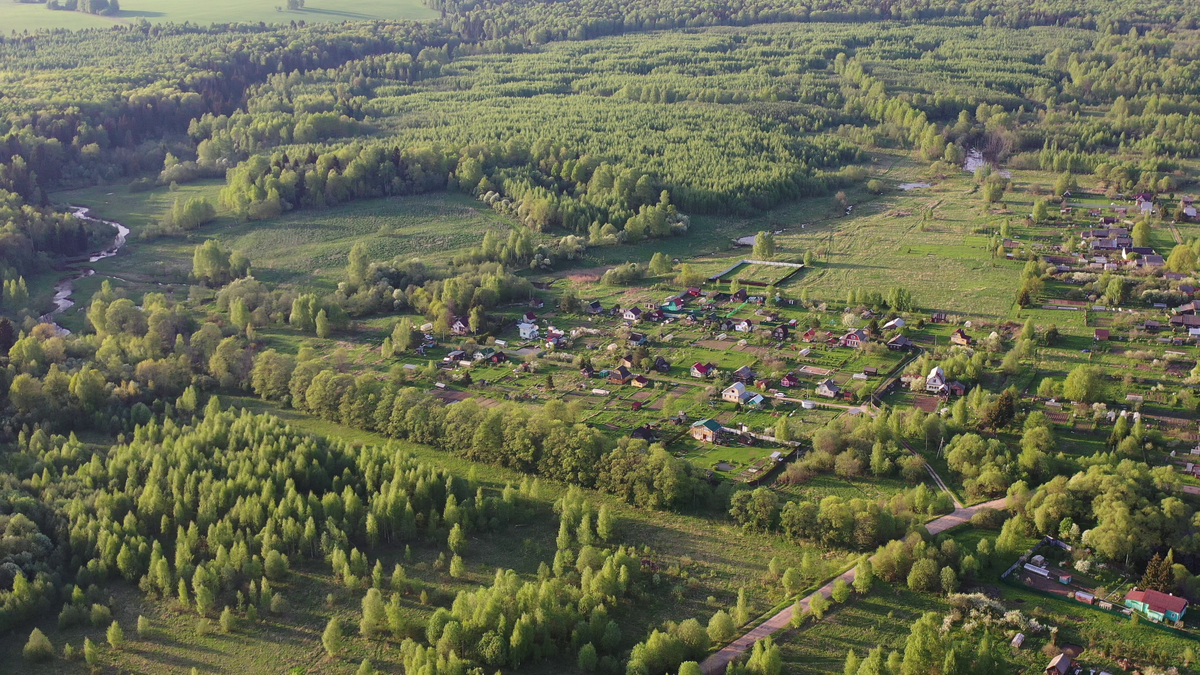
(716, 663)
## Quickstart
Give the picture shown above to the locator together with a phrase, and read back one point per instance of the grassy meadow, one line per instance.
(34, 16)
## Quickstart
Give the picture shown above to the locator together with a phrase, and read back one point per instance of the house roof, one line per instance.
(736, 386)
(700, 367)
(1102, 333)
(1059, 664)
(744, 370)
(1158, 601)
(829, 385)
(900, 340)
(711, 425)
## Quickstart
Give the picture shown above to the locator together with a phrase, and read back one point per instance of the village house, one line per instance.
(587, 370)
(935, 381)
(483, 354)
(854, 339)
(870, 371)
(744, 375)
(537, 303)
(1157, 606)
(735, 393)
(626, 361)
(654, 315)
(960, 337)
(595, 307)
(956, 388)
(1101, 335)
(528, 331)
(739, 296)
(637, 339)
(780, 333)
(828, 388)
(455, 356)
(661, 365)
(529, 317)
(744, 326)
(894, 323)
(460, 326)
(1188, 321)
(640, 381)
(899, 343)
(633, 314)
(703, 370)
(789, 380)
(554, 337)
(707, 431)
(937, 317)
(620, 376)
(498, 357)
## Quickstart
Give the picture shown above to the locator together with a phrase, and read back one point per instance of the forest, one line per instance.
(505, 416)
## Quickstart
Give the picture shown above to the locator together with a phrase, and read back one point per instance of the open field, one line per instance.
(35, 16)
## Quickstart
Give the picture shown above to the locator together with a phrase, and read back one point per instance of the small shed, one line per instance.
(1018, 640)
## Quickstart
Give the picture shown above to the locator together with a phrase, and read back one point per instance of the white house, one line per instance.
(744, 326)
(633, 314)
(894, 323)
(529, 331)
(735, 393)
(935, 382)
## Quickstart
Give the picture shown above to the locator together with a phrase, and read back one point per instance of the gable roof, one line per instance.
(710, 424)
(1158, 601)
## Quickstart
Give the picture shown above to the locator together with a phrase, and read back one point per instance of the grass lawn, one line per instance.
(27, 16)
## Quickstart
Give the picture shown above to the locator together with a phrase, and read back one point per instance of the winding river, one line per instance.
(66, 285)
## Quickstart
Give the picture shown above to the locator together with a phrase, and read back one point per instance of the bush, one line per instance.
(143, 627)
(72, 615)
(38, 647)
(721, 628)
(988, 519)
(276, 566)
(101, 616)
(278, 604)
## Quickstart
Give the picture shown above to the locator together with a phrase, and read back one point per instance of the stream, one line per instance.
(66, 285)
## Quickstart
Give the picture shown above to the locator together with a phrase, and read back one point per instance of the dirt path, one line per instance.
(716, 663)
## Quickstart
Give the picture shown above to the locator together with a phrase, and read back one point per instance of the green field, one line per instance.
(35, 16)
